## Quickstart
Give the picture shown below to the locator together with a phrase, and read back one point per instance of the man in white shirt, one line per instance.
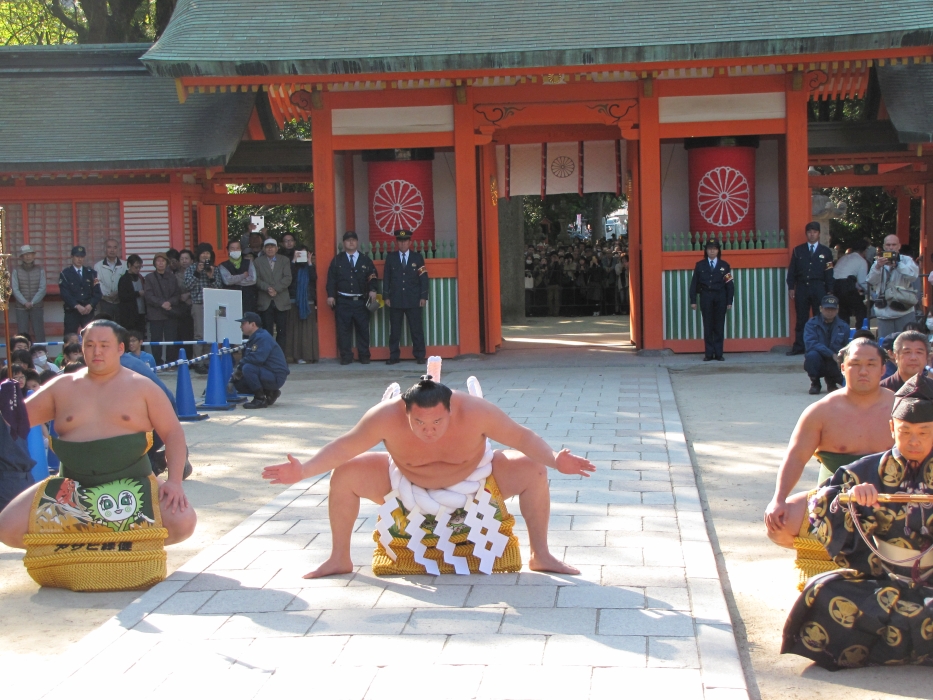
(109, 271)
(891, 280)
(849, 284)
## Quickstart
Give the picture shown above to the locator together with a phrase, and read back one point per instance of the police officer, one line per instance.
(262, 371)
(712, 279)
(405, 289)
(351, 280)
(809, 279)
(80, 290)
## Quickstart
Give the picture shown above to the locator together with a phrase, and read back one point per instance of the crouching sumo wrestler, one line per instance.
(874, 518)
(102, 524)
(440, 484)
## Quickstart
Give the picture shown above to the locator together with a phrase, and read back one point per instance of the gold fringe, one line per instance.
(812, 559)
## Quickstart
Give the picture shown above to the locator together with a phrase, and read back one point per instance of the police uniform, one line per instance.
(262, 371)
(810, 277)
(405, 286)
(78, 288)
(713, 282)
(349, 285)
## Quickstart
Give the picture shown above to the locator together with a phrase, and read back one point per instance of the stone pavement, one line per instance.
(647, 615)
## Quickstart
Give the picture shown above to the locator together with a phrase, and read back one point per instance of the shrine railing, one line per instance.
(729, 240)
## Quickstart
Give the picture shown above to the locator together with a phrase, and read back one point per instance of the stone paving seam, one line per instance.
(720, 666)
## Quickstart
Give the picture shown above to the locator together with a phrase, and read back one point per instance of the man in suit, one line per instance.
(351, 280)
(80, 290)
(273, 277)
(809, 279)
(406, 292)
(712, 280)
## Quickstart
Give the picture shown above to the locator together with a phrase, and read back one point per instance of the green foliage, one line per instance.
(561, 210)
(27, 22)
(83, 21)
(298, 221)
(871, 213)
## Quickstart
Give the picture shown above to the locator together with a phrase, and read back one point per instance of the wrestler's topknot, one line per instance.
(427, 394)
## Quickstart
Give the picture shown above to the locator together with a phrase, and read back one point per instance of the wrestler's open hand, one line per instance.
(287, 473)
(172, 495)
(865, 495)
(571, 464)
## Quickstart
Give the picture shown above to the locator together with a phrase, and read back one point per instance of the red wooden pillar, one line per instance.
(467, 222)
(349, 195)
(926, 239)
(176, 217)
(492, 294)
(634, 247)
(903, 218)
(799, 197)
(325, 221)
(649, 160)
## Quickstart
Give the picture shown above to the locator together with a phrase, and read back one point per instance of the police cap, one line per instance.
(830, 301)
(251, 317)
(403, 235)
(78, 251)
(350, 234)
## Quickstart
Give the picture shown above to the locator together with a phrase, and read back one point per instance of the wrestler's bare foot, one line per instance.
(548, 562)
(334, 565)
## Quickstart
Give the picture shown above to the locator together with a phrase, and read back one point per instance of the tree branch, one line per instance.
(58, 12)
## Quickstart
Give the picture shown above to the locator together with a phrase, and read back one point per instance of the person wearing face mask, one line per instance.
(238, 273)
(40, 360)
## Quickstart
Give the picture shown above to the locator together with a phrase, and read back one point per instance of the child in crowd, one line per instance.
(72, 353)
(134, 342)
(22, 357)
(75, 366)
(14, 372)
(40, 360)
(67, 340)
(21, 342)
(32, 379)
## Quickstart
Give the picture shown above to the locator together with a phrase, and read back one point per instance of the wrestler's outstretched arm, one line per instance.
(803, 443)
(361, 437)
(40, 405)
(499, 427)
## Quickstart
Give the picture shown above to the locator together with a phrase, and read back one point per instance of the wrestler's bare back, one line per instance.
(850, 427)
(89, 408)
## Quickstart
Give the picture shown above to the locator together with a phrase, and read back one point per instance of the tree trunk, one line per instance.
(512, 259)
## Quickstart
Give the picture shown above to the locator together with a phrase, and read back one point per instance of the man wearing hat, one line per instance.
(262, 371)
(351, 281)
(405, 289)
(712, 280)
(28, 283)
(273, 278)
(824, 335)
(80, 291)
(809, 279)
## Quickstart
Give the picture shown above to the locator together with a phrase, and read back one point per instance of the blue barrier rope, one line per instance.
(194, 360)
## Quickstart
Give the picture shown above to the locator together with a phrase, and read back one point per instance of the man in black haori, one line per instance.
(877, 609)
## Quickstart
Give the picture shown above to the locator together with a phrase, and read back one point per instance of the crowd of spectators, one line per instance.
(167, 304)
(583, 278)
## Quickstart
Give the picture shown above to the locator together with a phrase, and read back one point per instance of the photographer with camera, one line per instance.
(891, 281)
(197, 277)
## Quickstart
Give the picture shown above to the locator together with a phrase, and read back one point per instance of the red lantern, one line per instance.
(401, 196)
(722, 188)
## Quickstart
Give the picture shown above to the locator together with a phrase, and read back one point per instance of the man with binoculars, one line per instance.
(891, 281)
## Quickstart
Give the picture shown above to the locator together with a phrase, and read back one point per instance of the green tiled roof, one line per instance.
(328, 37)
(88, 108)
(908, 95)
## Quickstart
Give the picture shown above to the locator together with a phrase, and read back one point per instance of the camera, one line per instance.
(207, 267)
(890, 255)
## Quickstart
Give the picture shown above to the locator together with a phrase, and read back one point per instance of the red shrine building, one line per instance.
(429, 115)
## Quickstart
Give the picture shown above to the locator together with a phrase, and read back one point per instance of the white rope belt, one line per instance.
(470, 494)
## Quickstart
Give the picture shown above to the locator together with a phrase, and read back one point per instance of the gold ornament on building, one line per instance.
(494, 191)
